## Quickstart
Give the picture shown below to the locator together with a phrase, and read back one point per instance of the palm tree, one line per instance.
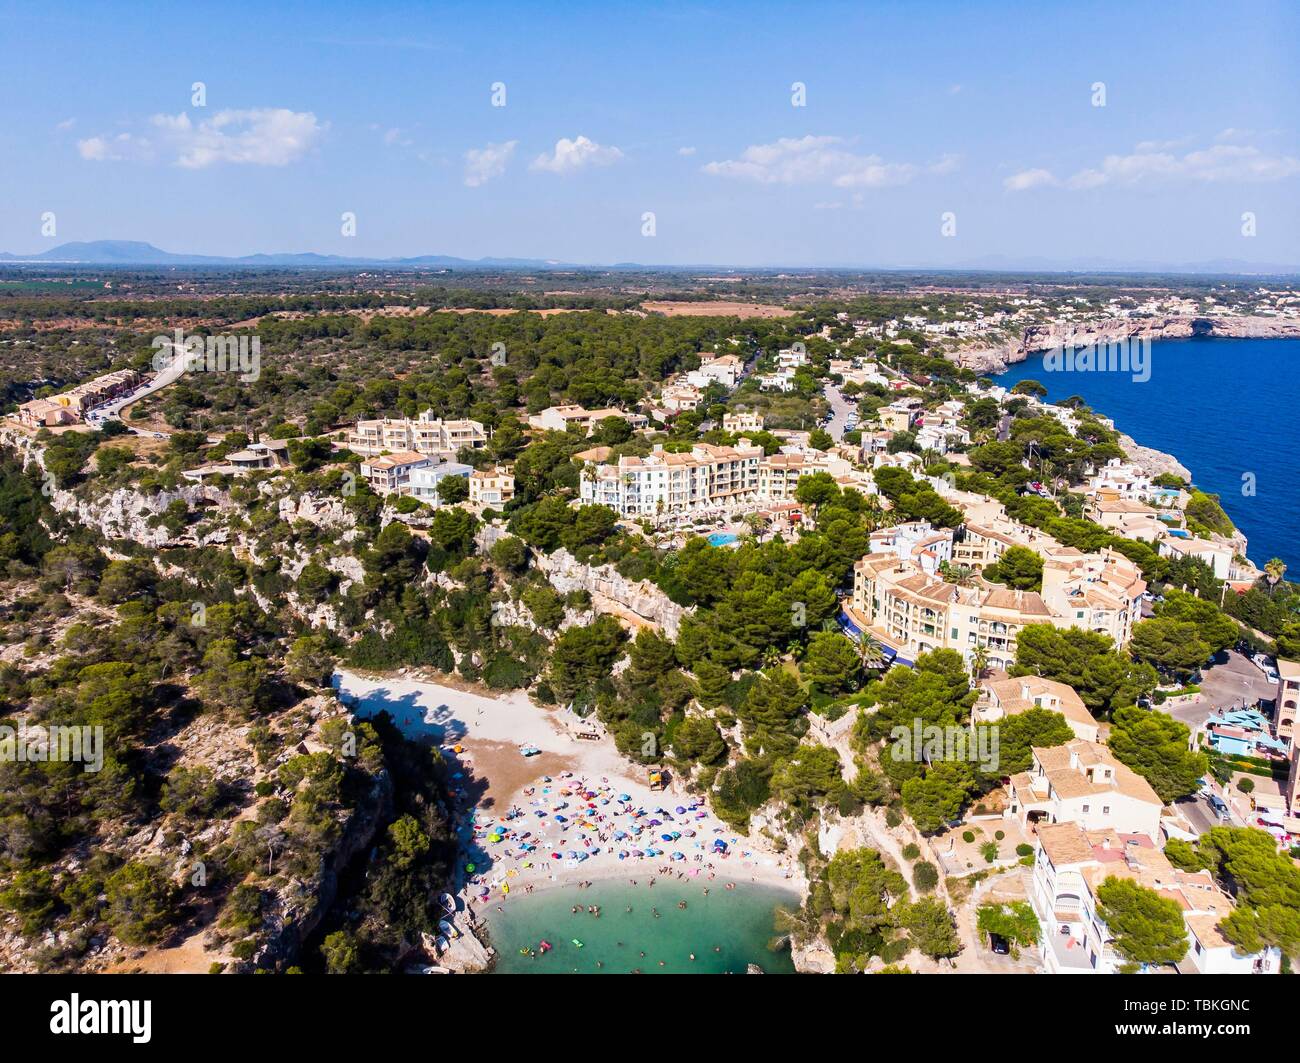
(1274, 570)
(872, 653)
(979, 661)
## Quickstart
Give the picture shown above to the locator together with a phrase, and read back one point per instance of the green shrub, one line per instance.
(924, 876)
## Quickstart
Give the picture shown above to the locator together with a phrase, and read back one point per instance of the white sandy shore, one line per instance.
(489, 731)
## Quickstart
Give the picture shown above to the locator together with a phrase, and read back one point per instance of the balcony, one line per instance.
(1069, 951)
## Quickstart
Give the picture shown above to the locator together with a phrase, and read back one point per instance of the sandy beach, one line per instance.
(576, 798)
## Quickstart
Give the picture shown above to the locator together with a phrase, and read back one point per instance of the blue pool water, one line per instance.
(722, 539)
(1224, 408)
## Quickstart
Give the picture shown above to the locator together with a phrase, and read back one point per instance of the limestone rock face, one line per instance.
(322, 512)
(815, 957)
(995, 358)
(613, 593)
(1152, 462)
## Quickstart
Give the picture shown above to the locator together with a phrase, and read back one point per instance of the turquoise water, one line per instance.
(722, 539)
(726, 931)
(1224, 408)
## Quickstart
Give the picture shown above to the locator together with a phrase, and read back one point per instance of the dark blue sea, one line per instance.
(1224, 408)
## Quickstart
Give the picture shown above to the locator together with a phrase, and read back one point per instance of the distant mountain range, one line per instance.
(137, 253)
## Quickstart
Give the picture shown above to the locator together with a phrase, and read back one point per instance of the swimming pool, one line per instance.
(722, 539)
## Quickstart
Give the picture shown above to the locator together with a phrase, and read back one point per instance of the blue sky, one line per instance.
(912, 110)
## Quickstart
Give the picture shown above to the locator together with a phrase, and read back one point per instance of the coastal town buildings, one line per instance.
(559, 418)
(662, 482)
(423, 480)
(1286, 708)
(491, 488)
(721, 369)
(1000, 698)
(255, 457)
(707, 477)
(901, 415)
(392, 472)
(1082, 782)
(427, 434)
(72, 406)
(1071, 863)
(916, 542)
(911, 611)
(1100, 592)
(742, 421)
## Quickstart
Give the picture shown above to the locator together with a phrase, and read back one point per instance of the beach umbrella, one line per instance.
(680, 810)
(625, 797)
(679, 856)
(666, 837)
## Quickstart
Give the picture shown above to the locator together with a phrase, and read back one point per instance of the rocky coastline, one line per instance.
(995, 358)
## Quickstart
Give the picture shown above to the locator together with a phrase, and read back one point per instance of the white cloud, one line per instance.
(483, 164)
(120, 148)
(685, 151)
(1019, 182)
(66, 124)
(396, 137)
(266, 136)
(819, 160)
(571, 155)
(1148, 164)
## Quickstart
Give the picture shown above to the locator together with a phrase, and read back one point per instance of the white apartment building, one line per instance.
(425, 435)
(781, 380)
(676, 398)
(1000, 698)
(1071, 864)
(721, 369)
(423, 482)
(779, 474)
(916, 541)
(707, 477)
(1082, 782)
(912, 611)
(392, 472)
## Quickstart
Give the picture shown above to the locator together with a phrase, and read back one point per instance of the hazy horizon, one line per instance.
(837, 136)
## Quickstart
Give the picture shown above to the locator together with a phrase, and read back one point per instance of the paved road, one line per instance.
(840, 409)
(1230, 685)
(168, 375)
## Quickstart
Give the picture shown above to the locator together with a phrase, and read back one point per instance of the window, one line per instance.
(1105, 810)
(1085, 808)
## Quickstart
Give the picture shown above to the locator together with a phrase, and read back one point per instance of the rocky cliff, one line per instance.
(613, 593)
(995, 358)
